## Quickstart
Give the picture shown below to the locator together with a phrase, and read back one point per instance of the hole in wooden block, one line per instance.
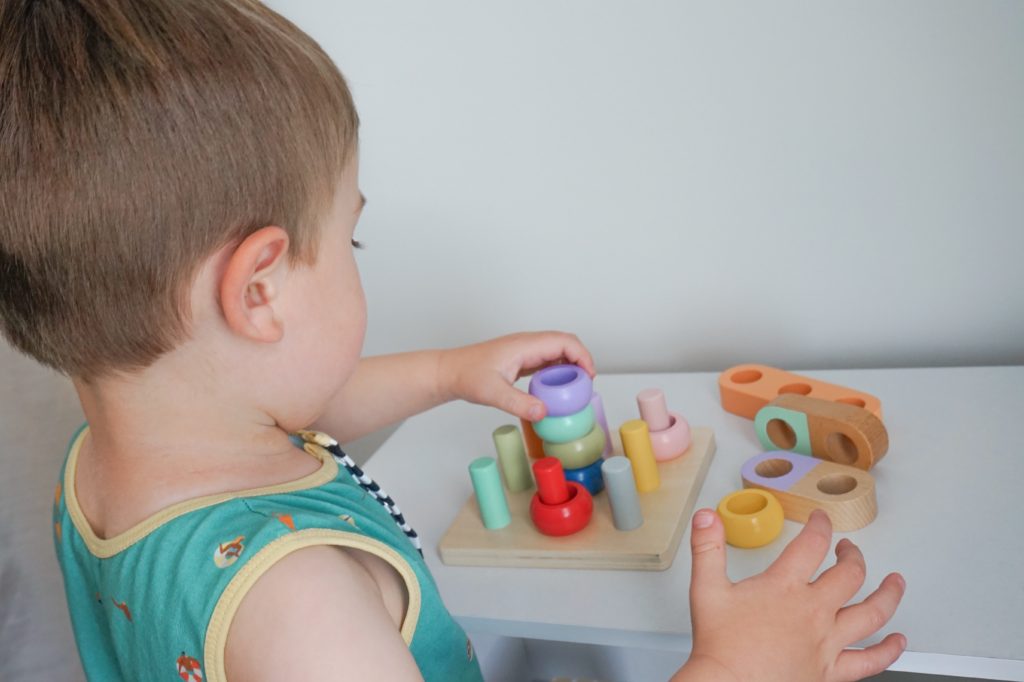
(773, 468)
(840, 448)
(837, 484)
(856, 402)
(799, 389)
(746, 376)
(781, 433)
(748, 503)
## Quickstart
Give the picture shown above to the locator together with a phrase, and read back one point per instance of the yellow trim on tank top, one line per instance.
(104, 548)
(257, 565)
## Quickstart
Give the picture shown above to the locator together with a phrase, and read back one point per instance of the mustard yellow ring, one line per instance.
(752, 517)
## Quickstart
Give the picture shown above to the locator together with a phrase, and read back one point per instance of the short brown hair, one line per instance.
(136, 138)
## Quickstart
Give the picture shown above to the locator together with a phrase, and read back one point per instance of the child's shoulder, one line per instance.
(309, 556)
(336, 614)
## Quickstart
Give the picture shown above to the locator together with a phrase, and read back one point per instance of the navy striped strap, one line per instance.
(364, 481)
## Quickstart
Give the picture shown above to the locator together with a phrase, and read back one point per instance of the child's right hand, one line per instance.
(779, 625)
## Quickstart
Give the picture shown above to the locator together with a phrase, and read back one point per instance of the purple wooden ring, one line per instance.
(565, 389)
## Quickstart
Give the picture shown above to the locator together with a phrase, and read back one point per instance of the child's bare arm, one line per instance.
(388, 388)
(319, 615)
(779, 625)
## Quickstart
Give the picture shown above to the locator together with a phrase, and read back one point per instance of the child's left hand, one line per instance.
(483, 373)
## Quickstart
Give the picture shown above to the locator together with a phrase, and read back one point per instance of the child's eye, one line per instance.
(356, 244)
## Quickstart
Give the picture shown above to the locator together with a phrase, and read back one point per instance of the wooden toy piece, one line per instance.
(745, 389)
(552, 488)
(622, 495)
(490, 495)
(670, 433)
(779, 428)
(589, 476)
(512, 457)
(567, 427)
(602, 421)
(651, 547)
(841, 433)
(803, 484)
(565, 389)
(578, 453)
(559, 507)
(534, 445)
(752, 517)
(636, 441)
(653, 409)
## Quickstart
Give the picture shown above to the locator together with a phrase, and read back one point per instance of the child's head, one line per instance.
(143, 141)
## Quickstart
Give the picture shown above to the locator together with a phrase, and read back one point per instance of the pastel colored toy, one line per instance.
(622, 495)
(653, 546)
(580, 452)
(780, 428)
(512, 457)
(653, 409)
(841, 433)
(636, 441)
(670, 433)
(803, 484)
(565, 389)
(752, 517)
(589, 476)
(489, 494)
(745, 389)
(559, 507)
(602, 421)
(567, 427)
(534, 445)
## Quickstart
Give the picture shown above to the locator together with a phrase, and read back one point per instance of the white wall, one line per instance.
(689, 185)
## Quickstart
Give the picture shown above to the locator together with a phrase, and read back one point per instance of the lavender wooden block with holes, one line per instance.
(802, 484)
(799, 466)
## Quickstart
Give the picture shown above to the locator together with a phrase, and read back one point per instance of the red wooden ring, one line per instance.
(567, 518)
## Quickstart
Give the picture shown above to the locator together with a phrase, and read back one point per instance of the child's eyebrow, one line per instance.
(362, 203)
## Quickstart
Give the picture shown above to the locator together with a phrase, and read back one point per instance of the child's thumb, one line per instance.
(510, 399)
(707, 542)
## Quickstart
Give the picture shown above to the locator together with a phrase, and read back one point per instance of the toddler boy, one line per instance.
(178, 199)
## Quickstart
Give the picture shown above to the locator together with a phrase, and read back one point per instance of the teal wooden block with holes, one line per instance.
(781, 429)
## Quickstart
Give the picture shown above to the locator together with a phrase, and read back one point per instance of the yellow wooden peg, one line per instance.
(636, 441)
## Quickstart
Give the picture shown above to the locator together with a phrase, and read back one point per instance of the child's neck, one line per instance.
(157, 439)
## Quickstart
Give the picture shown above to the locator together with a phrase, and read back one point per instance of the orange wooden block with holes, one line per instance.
(745, 389)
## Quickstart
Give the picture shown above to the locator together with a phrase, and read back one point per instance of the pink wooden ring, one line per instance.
(671, 442)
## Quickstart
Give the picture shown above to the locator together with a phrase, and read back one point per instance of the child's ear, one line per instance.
(248, 287)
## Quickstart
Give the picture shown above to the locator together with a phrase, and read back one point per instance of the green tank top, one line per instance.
(155, 602)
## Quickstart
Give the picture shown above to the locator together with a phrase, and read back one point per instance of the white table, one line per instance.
(951, 519)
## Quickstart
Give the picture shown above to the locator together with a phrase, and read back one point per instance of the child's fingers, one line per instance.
(842, 581)
(857, 621)
(804, 553)
(499, 393)
(548, 347)
(854, 664)
(575, 352)
(707, 543)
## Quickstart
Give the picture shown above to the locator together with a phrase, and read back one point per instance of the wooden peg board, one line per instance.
(651, 547)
